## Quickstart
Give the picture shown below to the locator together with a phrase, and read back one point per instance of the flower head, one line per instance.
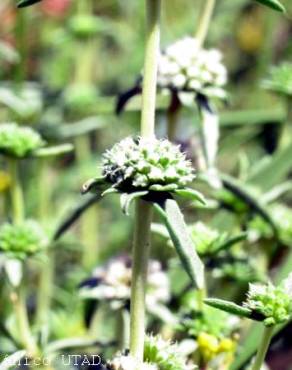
(273, 303)
(17, 141)
(143, 164)
(280, 79)
(184, 66)
(22, 240)
(112, 282)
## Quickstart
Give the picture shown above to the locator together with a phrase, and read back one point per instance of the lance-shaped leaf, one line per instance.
(229, 307)
(228, 243)
(182, 241)
(243, 193)
(274, 4)
(75, 214)
(191, 194)
(127, 199)
(24, 3)
(53, 151)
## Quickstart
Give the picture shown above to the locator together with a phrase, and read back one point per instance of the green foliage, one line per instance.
(22, 240)
(85, 26)
(274, 4)
(280, 79)
(17, 141)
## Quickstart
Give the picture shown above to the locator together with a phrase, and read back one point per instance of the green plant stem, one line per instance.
(141, 248)
(150, 68)
(21, 44)
(85, 64)
(263, 349)
(143, 215)
(16, 192)
(18, 296)
(205, 20)
(46, 278)
(25, 335)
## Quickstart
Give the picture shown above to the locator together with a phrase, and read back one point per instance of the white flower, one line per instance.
(185, 66)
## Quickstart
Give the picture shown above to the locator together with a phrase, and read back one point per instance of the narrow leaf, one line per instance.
(229, 307)
(182, 241)
(109, 191)
(127, 199)
(191, 194)
(230, 242)
(24, 3)
(93, 185)
(53, 151)
(75, 214)
(274, 4)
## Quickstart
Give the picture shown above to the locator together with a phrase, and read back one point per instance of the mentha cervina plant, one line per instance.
(150, 171)
(269, 304)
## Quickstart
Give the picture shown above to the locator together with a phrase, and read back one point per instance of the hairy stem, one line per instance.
(263, 349)
(141, 248)
(150, 68)
(205, 20)
(143, 216)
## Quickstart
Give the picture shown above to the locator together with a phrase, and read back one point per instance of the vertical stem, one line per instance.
(263, 349)
(85, 64)
(150, 67)
(21, 43)
(19, 296)
(141, 248)
(46, 278)
(26, 338)
(204, 20)
(143, 216)
(16, 192)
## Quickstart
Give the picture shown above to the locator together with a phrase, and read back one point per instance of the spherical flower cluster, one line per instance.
(112, 282)
(280, 79)
(185, 66)
(22, 240)
(273, 303)
(144, 164)
(18, 141)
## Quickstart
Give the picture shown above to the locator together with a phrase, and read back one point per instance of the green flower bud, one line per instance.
(280, 79)
(85, 26)
(138, 164)
(273, 303)
(17, 141)
(80, 98)
(22, 240)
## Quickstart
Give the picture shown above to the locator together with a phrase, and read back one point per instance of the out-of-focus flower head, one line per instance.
(280, 79)
(185, 66)
(17, 141)
(273, 303)
(112, 282)
(22, 240)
